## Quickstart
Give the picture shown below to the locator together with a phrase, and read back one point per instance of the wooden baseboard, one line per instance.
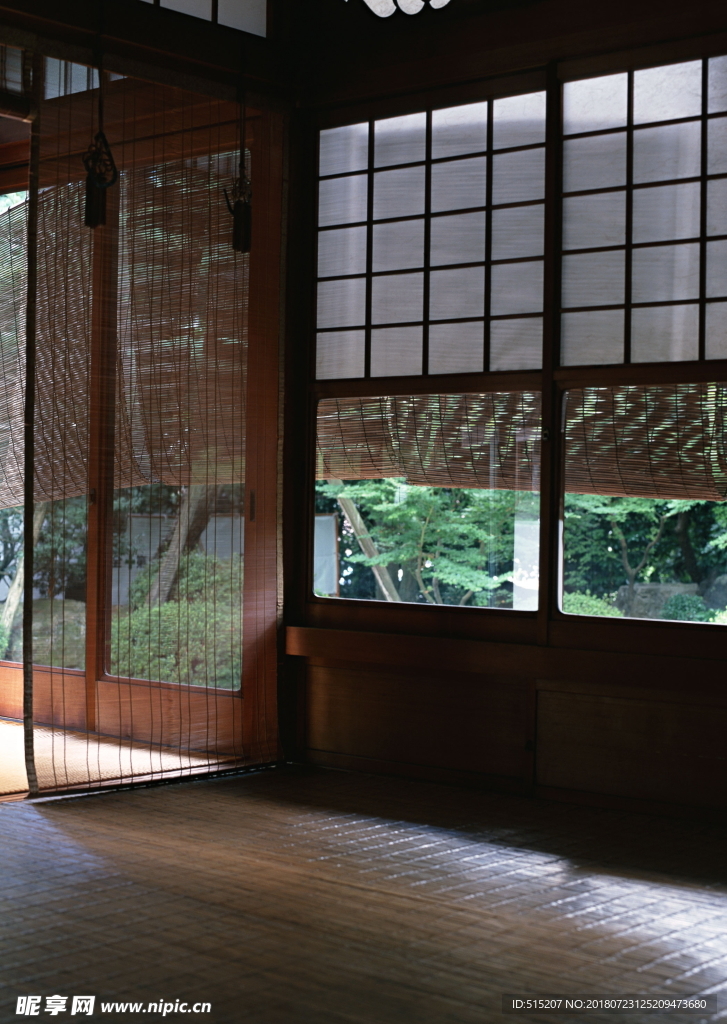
(427, 773)
(636, 805)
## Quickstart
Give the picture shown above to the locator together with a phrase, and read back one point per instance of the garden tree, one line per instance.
(198, 501)
(60, 551)
(610, 541)
(193, 638)
(367, 545)
(443, 545)
(11, 541)
(15, 592)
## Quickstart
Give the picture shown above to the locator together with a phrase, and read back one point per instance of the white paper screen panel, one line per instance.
(644, 215)
(430, 251)
(245, 15)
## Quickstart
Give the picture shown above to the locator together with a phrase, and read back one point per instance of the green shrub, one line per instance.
(687, 608)
(587, 604)
(196, 638)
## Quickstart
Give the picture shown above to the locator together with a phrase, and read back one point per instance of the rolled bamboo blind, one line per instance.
(651, 441)
(479, 440)
(656, 441)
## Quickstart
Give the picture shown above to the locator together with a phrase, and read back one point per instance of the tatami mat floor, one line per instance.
(69, 759)
(296, 896)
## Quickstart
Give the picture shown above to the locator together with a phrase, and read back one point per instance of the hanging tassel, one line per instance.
(240, 204)
(101, 173)
(240, 207)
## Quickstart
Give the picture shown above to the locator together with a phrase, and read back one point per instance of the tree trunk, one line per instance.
(194, 512)
(685, 543)
(353, 517)
(15, 593)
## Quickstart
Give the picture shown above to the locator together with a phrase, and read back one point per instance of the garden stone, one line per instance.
(650, 598)
(716, 595)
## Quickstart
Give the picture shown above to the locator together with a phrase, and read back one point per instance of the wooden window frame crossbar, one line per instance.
(551, 624)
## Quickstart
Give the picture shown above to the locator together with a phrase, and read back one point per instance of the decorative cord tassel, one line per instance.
(101, 173)
(241, 209)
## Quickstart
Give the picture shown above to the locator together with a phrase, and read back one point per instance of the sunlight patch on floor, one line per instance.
(69, 760)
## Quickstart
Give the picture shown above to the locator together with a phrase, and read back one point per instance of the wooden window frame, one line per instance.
(90, 698)
(549, 626)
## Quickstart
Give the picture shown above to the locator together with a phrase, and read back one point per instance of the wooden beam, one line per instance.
(101, 447)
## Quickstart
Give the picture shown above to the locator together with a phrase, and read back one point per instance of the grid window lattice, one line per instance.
(645, 215)
(430, 251)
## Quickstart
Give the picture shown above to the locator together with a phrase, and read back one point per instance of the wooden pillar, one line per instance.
(261, 605)
(101, 448)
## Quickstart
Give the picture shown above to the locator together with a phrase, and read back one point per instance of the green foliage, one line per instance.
(11, 541)
(587, 604)
(4, 640)
(689, 547)
(687, 608)
(195, 638)
(441, 545)
(60, 554)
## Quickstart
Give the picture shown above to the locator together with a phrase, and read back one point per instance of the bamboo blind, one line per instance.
(665, 441)
(139, 423)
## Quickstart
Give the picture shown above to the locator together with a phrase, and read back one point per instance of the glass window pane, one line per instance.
(666, 212)
(396, 351)
(594, 279)
(197, 8)
(625, 531)
(671, 151)
(397, 299)
(399, 193)
(342, 303)
(592, 339)
(715, 342)
(59, 601)
(716, 269)
(457, 492)
(459, 130)
(459, 184)
(517, 288)
(717, 84)
(595, 103)
(518, 120)
(456, 348)
(340, 354)
(457, 293)
(458, 239)
(668, 92)
(596, 162)
(717, 146)
(518, 177)
(590, 221)
(342, 200)
(717, 207)
(250, 16)
(398, 246)
(400, 140)
(344, 149)
(191, 634)
(517, 232)
(516, 344)
(665, 273)
(342, 252)
(663, 334)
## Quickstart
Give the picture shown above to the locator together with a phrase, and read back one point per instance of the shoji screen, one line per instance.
(644, 221)
(430, 243)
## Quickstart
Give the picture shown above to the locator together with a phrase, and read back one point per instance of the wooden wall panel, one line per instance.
(448, 720)
(177, 717)
(666, 750)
